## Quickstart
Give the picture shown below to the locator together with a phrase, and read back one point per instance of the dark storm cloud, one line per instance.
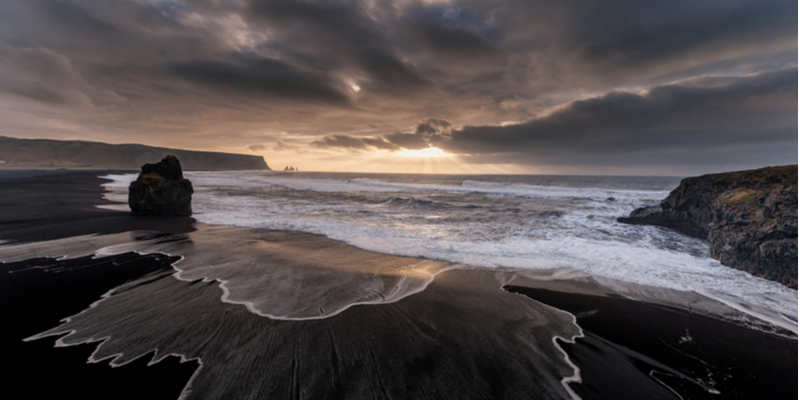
(196, 68)
(433, 126)
(261, 77)
(637, 31)
(450, 39)
(36, 91)
(326, 32)
(392, 73)
(478, 85)
(704, 116)
(77, 18)
(341, 33)
(43, 76)
(344, 20)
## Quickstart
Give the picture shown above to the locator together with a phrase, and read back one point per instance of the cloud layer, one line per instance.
(712, 117)
(537, 84)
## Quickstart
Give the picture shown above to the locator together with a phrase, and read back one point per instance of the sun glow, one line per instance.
(427, 152)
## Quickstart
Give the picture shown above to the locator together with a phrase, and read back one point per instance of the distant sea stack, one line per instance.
(161, 190)
(748, 217)
(39, 153)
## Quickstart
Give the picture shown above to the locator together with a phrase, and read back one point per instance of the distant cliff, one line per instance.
(748, 217)
(33, 153)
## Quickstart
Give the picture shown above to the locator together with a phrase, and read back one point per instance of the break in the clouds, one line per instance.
(510, 85)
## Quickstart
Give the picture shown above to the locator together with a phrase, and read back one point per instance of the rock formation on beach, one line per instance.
(748, 217)
(161, 189)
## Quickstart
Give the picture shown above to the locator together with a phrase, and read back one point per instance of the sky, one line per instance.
(611, 87)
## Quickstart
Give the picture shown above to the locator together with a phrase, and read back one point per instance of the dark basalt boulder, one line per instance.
(161, 190)
(748, 217)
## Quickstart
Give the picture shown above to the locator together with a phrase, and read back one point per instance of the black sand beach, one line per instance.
(461, 337)
(42, 205)
(652, 337)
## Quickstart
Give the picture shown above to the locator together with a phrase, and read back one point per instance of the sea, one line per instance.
(536, 222)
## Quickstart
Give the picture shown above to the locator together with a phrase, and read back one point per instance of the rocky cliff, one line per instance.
(748, 217)
(37, 153)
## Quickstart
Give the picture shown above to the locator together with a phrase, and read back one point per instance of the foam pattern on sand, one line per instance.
(492, 224)
(462, 337)
(280, 275)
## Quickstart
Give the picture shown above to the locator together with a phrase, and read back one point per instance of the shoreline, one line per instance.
(467, 281)
(648, 260)
(27, 311)
(648, 333)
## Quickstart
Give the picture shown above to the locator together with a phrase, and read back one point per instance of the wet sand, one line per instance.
(40, 205)
(738, 362)
(460, 337)
(34, 300)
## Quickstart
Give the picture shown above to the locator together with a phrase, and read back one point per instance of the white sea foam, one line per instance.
(243, 357)
(272, 275)
(235, 179)
(556, 192)
(117, 191)
(117, 186)
(489, 224)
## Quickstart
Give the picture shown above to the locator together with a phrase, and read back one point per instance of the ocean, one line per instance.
(408, 298)
(535, 222)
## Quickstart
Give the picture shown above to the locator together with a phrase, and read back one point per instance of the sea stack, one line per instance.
(161, 190)
(748, 217)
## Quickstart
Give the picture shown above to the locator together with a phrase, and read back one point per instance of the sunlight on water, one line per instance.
(517, 222)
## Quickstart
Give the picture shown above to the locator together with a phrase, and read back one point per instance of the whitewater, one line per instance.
(524, 222)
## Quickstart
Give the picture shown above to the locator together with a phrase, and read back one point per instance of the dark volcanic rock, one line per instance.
(169, 167)
(748, 217)
(161, 190)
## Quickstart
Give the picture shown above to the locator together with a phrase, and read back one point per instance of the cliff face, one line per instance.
(30, 153)
(748, 217)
